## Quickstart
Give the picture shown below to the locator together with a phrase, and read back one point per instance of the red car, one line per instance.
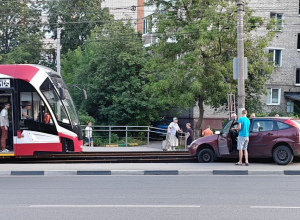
(276, 137)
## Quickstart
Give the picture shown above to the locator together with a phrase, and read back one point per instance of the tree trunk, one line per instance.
(201, 114)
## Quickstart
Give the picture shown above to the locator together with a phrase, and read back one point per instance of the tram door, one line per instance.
(7, 98)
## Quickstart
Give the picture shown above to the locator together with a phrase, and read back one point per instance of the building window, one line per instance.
(273, 96)
(278, 19)
(289, 106)
(145, 26)
(298, 76)
(276, 57)
(298, 42)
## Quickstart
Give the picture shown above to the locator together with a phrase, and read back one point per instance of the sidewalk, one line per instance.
(153, 146)
(148, 169)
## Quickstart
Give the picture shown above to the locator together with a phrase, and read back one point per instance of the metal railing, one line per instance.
(128, 135)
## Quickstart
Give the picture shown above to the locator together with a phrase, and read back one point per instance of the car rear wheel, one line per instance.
(206, 156)
(282, 155)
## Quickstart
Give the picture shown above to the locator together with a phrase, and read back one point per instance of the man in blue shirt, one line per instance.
(243, 138)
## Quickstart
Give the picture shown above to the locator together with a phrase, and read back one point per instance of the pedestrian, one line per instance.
(4, 126)
(189, 134)
(252, 115)
(243, 138)
(233, 116)
(207, 132)
(233, 132)
(172, 129)
(88, 135)
(234, 125)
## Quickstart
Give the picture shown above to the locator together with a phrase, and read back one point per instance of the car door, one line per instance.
(224, 138)
(262, 134)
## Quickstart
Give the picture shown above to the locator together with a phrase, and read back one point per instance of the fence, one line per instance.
(123, 136)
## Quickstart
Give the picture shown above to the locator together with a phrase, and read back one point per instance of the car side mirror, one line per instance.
(217, 132)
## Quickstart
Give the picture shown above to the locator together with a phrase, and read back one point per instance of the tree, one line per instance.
(78, 19)
(20, 32)
(109, 66)
(192, 59)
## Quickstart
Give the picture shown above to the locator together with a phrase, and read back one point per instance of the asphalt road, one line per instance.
(150, 197)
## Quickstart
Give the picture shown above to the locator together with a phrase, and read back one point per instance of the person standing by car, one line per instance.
(4, 126)
(243, 138)
(189, 135)
(172, 129)
(88, 135)
(207, 132)
(252, 116)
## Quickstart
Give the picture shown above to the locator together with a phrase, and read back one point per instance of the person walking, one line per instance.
(189, 135)
(172, 129)
(88, 135)
(243, 138)
(207, 132)
(4, 126)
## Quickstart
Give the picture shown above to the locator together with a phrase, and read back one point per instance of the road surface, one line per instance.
(150, 197)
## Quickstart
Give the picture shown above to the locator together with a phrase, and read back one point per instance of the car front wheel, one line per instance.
(282, 155)
(206, 156)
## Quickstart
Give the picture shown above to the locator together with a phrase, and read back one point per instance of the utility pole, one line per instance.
(58, 45)
(240, 55)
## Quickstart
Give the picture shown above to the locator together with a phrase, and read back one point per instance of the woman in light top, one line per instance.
(173, 127)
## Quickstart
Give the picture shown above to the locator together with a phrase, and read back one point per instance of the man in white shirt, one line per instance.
(88, 135)
(4, 126)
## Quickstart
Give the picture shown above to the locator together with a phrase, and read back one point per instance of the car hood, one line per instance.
(206, 139)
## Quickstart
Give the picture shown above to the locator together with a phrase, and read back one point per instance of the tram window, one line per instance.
(33, 108)
(57, 106)
(26, 105)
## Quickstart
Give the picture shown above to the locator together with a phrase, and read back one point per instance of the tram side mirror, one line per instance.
(61, 93)
(84, 95)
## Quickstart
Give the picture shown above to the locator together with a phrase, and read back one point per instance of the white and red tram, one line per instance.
(51, 123)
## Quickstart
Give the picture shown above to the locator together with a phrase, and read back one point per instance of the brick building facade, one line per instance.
(284, 86)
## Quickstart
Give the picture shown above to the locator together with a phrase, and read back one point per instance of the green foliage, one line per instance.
(20, 32)
(192, 60)
(109, 67)
(85, 119)
(78, 19)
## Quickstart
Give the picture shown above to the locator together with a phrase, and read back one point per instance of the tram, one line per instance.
(42, 115)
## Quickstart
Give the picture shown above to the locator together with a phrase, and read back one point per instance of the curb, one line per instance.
(149, 172)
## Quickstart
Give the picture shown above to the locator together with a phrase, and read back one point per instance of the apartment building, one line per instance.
(127, 10)
(283, 89)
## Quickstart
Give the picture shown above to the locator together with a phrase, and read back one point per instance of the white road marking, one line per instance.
(274, 207)
(114, 206)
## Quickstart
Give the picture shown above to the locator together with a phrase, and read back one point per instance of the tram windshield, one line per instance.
(61, 107)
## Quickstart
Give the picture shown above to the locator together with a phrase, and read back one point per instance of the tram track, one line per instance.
(105, 157)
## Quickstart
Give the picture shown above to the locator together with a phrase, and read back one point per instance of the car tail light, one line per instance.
(292, 123)
(295, 125)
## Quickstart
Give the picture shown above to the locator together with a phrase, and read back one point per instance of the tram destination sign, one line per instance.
(4, 83)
